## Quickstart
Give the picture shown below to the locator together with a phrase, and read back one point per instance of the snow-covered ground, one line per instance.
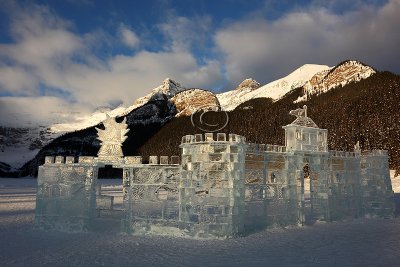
(358, 242)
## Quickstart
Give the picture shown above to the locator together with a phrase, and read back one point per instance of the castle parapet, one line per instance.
(211, 137)
(343, 154)
(153, 160)
(375, 152)
(254, 147)
(59, 160)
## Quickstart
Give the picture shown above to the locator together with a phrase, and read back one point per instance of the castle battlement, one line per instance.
(259, 148)
(344, 154)
(211, 137)
(127, 160)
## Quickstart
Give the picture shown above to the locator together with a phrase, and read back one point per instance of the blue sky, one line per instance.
(90, 53)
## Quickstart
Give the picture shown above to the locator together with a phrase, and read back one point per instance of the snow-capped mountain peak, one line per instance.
(248, 84)
(169, 87)
(275, 90)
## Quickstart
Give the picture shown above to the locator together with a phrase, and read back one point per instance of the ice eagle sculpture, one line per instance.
(111, 138)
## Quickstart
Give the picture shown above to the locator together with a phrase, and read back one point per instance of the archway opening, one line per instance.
(109, 172)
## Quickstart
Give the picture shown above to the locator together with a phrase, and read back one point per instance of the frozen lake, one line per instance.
(358, 242)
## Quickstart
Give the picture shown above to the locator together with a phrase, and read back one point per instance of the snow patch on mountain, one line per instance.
(275, 90)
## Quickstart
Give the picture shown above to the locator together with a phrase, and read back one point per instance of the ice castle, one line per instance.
(220, 186)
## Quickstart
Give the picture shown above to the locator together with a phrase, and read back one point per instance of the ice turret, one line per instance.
(303, 134)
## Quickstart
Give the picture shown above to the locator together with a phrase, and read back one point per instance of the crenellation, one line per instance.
(133, 160)
(221, 137)
(49, 160)
(164, 160)
(209, 137)
(220, 185)
(86, 159)
(69, 160)
(174, 160)
(59, 160)
(153, 160)
(198, 138)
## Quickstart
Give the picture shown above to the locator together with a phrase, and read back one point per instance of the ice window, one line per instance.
(320, 137)
(299, 135)
(273, 177)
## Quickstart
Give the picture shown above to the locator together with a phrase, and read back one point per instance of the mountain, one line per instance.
(275, 90)
(344, 73)
(159, 120)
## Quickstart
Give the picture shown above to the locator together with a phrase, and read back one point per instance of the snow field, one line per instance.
(356, 242)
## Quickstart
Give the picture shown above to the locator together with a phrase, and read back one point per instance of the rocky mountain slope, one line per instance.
(344, 73)
(188, 101)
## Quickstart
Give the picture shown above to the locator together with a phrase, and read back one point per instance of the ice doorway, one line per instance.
(109, 172)
(109, 203)
(308, 205)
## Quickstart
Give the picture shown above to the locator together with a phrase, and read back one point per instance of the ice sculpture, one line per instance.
(111, 139)
(222, 185)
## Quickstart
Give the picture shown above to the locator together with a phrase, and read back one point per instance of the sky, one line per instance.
(84, 54)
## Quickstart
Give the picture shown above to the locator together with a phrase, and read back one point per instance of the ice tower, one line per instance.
(211, 187)
(303, 134)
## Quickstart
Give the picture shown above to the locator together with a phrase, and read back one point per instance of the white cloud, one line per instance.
(268, 50)
(18, 81)
(128, 37)
(182, 33)
(26, 111)
(47, 56)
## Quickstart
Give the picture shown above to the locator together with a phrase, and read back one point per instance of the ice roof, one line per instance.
(301, 118)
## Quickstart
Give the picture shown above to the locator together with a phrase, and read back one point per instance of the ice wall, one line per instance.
(151, 197)
(376, 186)
(66, 195)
